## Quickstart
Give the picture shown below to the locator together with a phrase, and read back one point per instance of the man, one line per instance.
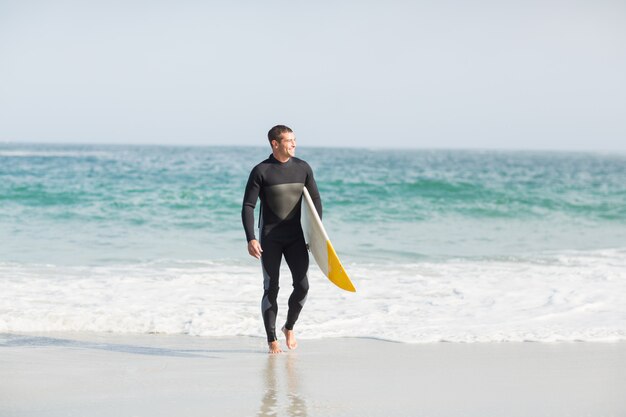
(278, 182)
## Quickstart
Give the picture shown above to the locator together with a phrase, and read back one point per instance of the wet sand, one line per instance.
(82, 374)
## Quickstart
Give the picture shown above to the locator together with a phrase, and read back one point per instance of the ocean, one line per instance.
(442, 245)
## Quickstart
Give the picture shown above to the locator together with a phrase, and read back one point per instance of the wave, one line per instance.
(566, 296)
(422, 199)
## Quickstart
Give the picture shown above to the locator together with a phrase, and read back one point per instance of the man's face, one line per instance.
(286, 148)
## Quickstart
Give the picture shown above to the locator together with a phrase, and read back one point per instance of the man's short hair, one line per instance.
(276, 132)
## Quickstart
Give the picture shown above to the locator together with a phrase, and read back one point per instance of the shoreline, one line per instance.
(97, 374)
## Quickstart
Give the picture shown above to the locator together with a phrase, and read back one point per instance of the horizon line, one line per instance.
(370, 147)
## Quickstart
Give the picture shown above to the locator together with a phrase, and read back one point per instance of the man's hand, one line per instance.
(254, 248)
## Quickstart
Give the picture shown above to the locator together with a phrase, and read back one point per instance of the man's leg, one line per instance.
(297, 258)
(270, 261)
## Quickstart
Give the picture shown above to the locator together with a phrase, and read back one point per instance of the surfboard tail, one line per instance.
(336, 273)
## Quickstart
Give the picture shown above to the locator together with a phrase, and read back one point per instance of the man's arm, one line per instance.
(250, 198)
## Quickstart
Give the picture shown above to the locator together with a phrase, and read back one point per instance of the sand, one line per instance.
(81, 374)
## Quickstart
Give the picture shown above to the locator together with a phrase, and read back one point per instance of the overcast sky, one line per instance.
(429, 74)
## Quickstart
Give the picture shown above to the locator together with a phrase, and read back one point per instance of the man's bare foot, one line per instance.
(275, 347)
(291, 338)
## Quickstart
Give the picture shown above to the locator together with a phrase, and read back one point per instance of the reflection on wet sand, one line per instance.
(275, 388)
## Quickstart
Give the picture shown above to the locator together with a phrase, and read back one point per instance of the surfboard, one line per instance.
(319, 244)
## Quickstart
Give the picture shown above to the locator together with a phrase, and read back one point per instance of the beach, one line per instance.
(470, 164)
(95, 374)
(488, 283)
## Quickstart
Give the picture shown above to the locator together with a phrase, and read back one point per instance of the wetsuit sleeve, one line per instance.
(250, 198)
(311, 185)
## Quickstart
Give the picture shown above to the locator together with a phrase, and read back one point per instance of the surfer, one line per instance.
(278, 182)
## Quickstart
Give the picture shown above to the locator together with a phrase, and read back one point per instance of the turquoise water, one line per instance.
(460, 246)
(100, 204)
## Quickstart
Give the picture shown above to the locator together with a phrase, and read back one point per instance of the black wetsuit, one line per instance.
(279, 186)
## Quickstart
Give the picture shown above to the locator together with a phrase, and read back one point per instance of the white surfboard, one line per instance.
(319, 244)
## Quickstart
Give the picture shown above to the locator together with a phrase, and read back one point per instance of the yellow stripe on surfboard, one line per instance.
(336, 273)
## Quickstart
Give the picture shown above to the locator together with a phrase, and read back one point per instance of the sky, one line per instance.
(393, 74)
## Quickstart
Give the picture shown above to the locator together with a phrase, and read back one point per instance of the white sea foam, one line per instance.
(553, 297)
